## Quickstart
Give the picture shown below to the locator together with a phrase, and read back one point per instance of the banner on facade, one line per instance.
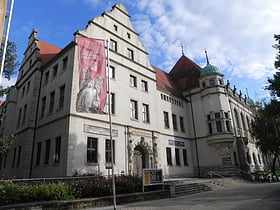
(3, 10)
(92, 94)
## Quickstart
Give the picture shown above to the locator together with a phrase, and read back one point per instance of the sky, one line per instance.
(238, 35)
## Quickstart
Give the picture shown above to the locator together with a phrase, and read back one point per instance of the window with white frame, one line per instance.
(92, 150)
(133, 110)
(144, 85)
(112, 72)
(130, 54)
(132, 81)
(145, 112)
(113, 45)
(166, 119)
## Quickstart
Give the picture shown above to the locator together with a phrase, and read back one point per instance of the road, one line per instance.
(264, 196)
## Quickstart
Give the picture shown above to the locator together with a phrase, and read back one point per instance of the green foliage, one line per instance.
(11, 62)
(12, 193)
(274, 83)
(266, 129)
(100, 186)
(5, 142)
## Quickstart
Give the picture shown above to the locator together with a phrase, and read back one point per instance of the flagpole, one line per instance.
(110, 125)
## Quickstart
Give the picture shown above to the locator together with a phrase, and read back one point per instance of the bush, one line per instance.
(12, 193)
(16, 193)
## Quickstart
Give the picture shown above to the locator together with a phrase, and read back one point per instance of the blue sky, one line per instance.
(238, 35)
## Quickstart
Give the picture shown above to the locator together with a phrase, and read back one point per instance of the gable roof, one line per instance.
(185, 73)
(47, 51)
(165, 83)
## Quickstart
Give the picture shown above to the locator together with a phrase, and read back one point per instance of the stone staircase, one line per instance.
(191, 188)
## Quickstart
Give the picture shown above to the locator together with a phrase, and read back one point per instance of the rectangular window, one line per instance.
(169, 156)
(64, 63)
(57, 149)
(113, 45)
(52, 97)
(174, 121)
(219, 126)
(91, 150)
(133, 110)
(113, 104)
(217, 115)
(54, 72)
(18, 157)
(43, 106)
(38, 154)
(182, 124)
(24, 114)
(133, 81)
(14, 157)
(46, 80)
(116, 27)
(177, 157)
(28, 87)
(144, 85)
(47, 151)
(130, 54)
(19, 117)
(166, 119)
(185, 157)
(61, 97)
(145, 112)
(112, 72)
(108, 154)
(23, 92)
(211, 82)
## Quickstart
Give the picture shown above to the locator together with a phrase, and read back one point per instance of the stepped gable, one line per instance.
(165, 83)
(47, 51)
(185, 73)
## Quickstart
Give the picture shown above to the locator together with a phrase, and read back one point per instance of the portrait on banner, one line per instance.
(92, 94)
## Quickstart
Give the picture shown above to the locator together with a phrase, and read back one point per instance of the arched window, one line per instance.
(236, 118)
(248, 122)
(243, 122)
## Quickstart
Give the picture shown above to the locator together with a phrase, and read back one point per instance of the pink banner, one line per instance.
(92, 75)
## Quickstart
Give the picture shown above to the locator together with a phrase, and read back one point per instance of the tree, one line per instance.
(274, 83)
(5, 142)
(11, 62)
(266, 129)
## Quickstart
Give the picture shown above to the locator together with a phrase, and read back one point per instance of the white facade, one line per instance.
(53, 139)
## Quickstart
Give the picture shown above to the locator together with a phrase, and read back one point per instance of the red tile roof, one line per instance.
(165, 83)
(185, 73)
(47, 51)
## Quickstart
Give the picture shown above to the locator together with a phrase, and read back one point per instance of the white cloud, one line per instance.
(238, 34)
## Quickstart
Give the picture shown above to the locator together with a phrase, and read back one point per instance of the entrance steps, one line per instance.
(187, 186)
(192, 188)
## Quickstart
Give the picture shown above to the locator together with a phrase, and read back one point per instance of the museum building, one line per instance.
(188, 122)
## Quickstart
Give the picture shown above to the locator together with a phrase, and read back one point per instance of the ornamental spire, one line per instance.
(182, 47)
(206, 56)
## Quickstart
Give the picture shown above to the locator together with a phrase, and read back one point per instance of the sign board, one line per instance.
(152, 176)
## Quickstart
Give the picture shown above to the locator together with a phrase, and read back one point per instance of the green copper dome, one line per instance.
(251, 102)
(210, 69)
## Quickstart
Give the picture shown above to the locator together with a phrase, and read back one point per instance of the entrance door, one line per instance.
(138, 161)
